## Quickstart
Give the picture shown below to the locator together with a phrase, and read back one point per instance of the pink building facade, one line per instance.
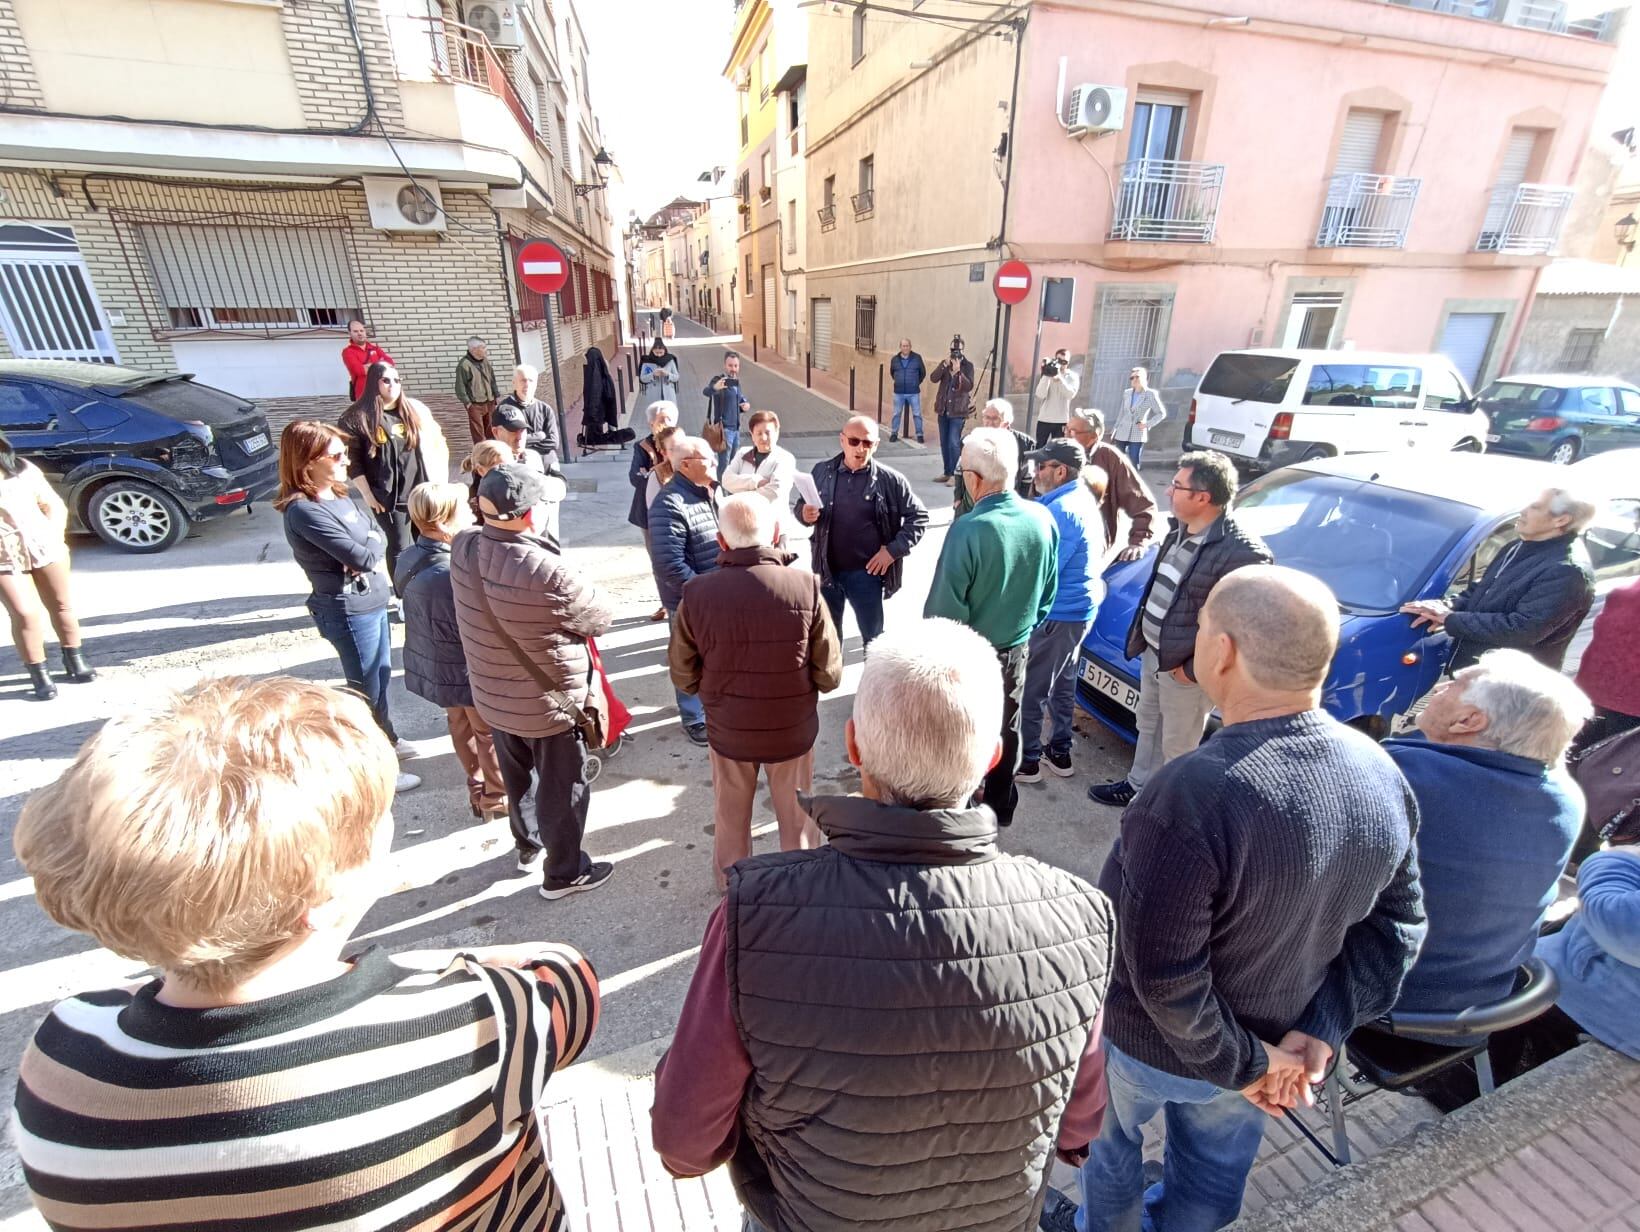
(1341, 172)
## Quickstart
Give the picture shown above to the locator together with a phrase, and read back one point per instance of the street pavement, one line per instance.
(229, 600)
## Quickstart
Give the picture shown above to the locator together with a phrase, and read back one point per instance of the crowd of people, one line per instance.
(891, 1019)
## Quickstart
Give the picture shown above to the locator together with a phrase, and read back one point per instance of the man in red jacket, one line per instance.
(358, 355)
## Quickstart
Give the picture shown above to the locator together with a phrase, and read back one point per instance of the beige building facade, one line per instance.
(277, 169)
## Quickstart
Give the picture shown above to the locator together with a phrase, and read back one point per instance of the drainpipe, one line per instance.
(1018, 25)
(506, 280)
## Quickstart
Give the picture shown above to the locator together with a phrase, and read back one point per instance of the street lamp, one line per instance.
(1624, 230)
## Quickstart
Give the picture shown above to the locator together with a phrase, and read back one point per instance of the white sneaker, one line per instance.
(406, 782)
(404, 749)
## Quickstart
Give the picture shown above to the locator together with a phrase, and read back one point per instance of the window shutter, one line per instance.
(566, 297)
(1518, 157)
(1358, 146)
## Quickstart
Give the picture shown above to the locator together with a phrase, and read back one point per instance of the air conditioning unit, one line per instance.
(1095, 109)
(743, 79)
(497, 20)
(399, 205)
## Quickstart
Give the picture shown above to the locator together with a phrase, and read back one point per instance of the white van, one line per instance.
(1266, 408)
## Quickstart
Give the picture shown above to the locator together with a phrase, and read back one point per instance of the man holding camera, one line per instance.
(909, 372)
(955, 377)
(1055, 388)
(724, 405)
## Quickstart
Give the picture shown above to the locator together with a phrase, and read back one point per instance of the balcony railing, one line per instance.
(1367, 211)
(1174, 202)
(864, 202)
(1546, 15)
(828, 216)
(432, 48)
(1524, 218)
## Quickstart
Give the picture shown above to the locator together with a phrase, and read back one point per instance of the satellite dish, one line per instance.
(417, 204)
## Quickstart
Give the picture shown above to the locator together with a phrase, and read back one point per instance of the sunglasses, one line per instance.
(857, 442)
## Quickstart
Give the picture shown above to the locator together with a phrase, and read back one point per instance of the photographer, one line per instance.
(1055, 388)
(955, 377)
(724, 404)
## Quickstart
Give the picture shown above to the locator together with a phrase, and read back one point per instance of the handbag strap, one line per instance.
(556, 695)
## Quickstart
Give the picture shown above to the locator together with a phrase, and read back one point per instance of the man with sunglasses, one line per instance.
(1203, 545)
(867, 521)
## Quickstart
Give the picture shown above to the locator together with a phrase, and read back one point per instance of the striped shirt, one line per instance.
(1173, 565)
(382, 1099)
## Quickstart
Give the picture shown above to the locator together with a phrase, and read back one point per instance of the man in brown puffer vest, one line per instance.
(755, 641)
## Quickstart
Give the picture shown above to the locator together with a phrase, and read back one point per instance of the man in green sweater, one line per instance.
(998, 574)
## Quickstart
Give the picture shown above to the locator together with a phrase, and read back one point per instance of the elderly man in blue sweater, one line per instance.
(1498, 815)
(1266, 892)
(1050, 673)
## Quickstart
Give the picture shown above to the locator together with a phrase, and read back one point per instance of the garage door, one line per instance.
(768, 334)
(820, 331)
(1467, 339)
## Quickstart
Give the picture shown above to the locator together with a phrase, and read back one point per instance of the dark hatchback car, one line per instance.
(137, 456)
(1561, 418)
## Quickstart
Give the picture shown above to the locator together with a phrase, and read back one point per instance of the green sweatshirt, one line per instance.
(999, 570)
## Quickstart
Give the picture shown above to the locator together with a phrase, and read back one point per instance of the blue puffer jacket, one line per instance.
(435, 666)
(909, 372)
(682, 537)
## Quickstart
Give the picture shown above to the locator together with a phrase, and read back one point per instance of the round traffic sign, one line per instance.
(1012, 282)
(543, 267)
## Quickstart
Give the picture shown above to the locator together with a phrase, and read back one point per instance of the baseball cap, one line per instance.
(1066, 452)
(512, 489)
(508, 417)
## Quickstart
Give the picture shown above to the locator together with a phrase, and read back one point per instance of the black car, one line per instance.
(137, 456)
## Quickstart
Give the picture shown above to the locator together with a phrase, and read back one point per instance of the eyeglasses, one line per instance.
(858, 442)
(1179, 487)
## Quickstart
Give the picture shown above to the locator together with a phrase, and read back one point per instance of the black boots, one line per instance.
(44, 690)
(74, 664)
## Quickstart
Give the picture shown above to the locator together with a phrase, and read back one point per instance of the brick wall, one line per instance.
(326, 63)
(18, 85)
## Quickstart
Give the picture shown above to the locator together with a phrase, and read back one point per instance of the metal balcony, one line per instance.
(1524, 219)
(1549, 16)
(828, 216)
(864, 202)
(1367, 211)
(1168, 201)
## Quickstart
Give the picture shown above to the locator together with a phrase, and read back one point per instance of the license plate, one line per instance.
(1492, 438)
(255, 444)
(1229, 440)
(1101, 681)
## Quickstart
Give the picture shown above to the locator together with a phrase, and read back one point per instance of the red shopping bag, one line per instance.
(619, 715)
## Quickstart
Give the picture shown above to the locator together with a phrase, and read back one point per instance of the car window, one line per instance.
(1249, 378)
(186, 400)
(1517, 396)
(1598, 400)
(1613, 541)
(1442, 392)
(97, 416)
(1483, 556)
(1363, 385)
(1372, 545)
(1630, 400)
(27, 407)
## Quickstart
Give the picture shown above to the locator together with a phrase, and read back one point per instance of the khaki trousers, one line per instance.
(475, 750)
(734, 786)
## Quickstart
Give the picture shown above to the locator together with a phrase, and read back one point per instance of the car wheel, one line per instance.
(136, 517)
(1468, 445)
(1564, 453)
(1316, 451)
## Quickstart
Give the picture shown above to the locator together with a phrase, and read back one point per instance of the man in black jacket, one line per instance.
(1267, 903)
(539, 420)
(1203, 545)
(1534, 594)
(867, 521)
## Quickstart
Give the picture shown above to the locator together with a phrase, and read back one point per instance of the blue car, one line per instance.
(1380, 530)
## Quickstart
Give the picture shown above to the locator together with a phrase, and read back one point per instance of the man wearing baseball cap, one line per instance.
(525, 618)
(510, 425)
(1050, 674)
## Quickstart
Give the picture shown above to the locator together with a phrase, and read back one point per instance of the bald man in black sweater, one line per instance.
(1266, 888)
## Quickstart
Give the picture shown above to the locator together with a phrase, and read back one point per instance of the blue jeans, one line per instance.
(950, 443)
(365, 647)
(1213, 1136)
(1050, 680)
(1134, 450)
(731, 442)
(902, 403)
(864, 592)
(691, 713)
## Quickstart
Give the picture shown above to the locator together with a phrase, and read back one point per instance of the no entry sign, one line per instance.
(543, 267)
(1012, 282)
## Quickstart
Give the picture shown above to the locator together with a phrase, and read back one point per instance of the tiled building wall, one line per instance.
(326, 63)
(18, 85)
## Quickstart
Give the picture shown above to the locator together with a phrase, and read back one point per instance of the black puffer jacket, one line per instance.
(1532, 597)
(435, 666)
(1225, 547)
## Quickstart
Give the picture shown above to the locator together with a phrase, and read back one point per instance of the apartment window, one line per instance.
(746, 287)
(828, 203)
(859, 32)
(1582, 349)
(865, 199)
(768, 175)
(1359, 144)
(763, 73)
(563, 144)
(251, 274)
(745, 129)
(531, 94)
(1158, 125)
(791, 226)
(865, 323)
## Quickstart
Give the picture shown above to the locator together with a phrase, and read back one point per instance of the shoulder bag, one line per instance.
(591, 722)
(712, 430)
(1609, 774)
